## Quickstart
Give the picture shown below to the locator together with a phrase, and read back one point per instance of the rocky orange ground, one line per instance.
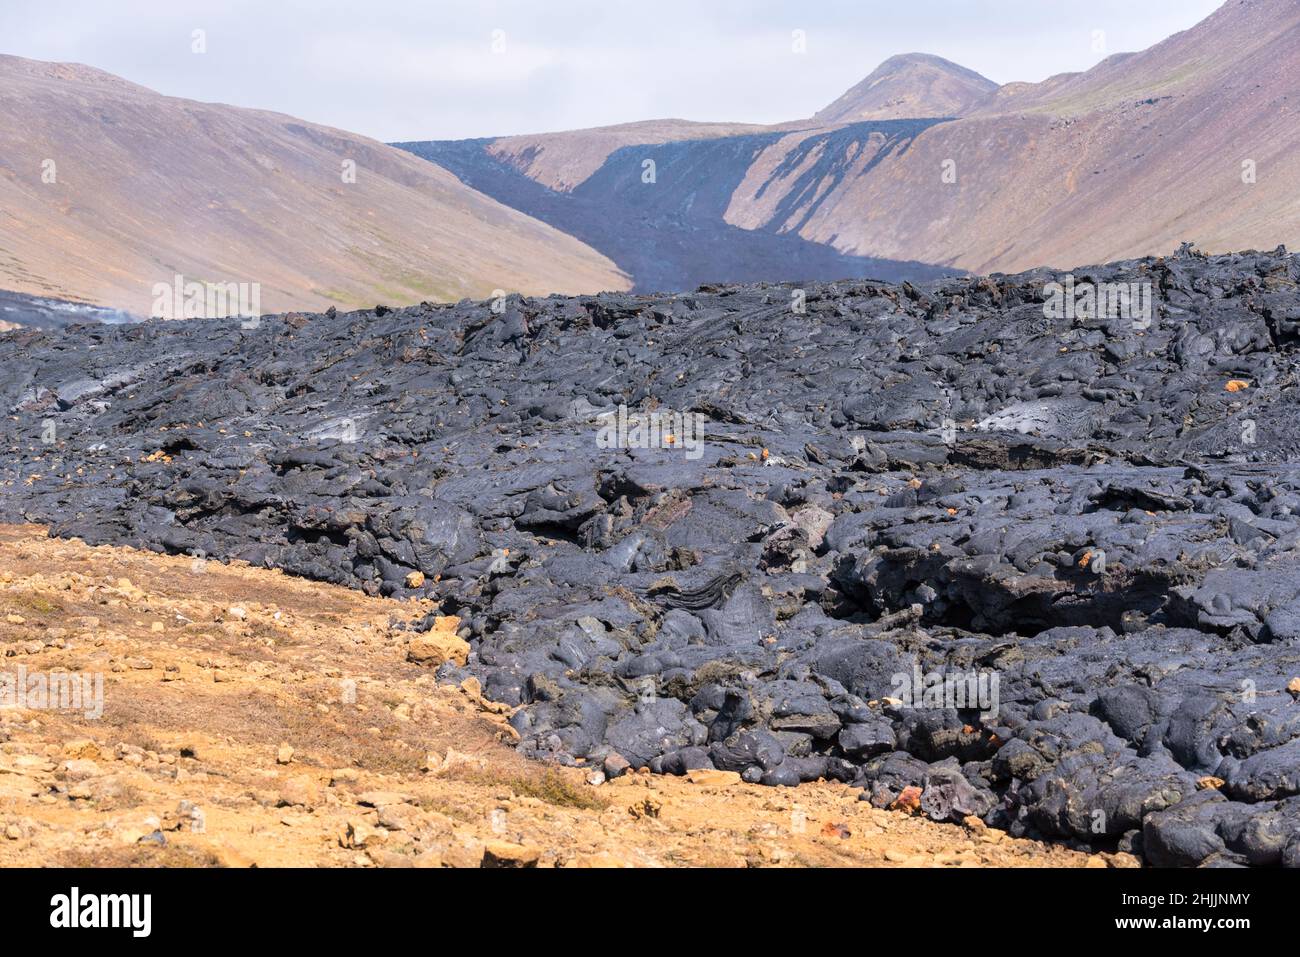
(250, 718)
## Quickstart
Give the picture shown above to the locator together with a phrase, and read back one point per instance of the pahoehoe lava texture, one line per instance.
(931, 477)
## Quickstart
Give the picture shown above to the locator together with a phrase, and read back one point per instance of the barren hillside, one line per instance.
(107, 188)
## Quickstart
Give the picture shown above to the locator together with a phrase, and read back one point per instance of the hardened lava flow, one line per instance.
(973, 556)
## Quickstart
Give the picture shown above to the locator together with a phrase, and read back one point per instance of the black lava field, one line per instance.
(1043, 570)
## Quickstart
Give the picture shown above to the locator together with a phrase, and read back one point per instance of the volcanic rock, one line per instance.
(1061, 623)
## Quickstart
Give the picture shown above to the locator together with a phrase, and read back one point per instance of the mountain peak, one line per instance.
(910, 86)
(20, 68)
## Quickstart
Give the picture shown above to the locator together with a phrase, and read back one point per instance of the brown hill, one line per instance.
(149, 186)
(1197, 138)
(1130, 158)
(563, 161)
(910, 86)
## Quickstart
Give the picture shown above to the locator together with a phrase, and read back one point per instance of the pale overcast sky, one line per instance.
(426, 69)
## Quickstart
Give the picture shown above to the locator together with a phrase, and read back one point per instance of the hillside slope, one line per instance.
(1130, 158)
(1196, 139)
(670, 233)
(146, 187)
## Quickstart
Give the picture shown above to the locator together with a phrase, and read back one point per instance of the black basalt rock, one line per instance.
(1045, 570)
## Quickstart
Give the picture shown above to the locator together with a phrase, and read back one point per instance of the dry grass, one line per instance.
(141, 855)
(544, 784)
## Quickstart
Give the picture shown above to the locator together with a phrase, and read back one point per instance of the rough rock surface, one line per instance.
(1094, 520)
(319, 745)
